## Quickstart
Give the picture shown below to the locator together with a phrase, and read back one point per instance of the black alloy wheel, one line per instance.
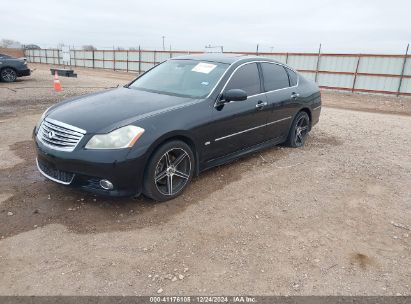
(8, 75)
(299, 130)
(169, 171)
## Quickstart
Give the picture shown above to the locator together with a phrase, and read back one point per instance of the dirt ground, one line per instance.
(332, 218)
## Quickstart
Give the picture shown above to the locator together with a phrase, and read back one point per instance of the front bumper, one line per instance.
(74, 170)
(25, 72)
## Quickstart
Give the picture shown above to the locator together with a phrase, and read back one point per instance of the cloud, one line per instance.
(350, 25)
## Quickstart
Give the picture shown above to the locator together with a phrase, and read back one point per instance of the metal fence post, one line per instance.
(114, 59)
(58, 56)
(75, 57)
(318, 63)
(286, 58)
(127, 62)
(402, 70)
(139, 60)
(355, 74)
(154, 57)
(92, 54)
(45, 52)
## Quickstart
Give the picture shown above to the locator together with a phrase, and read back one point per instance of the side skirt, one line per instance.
(241, 153)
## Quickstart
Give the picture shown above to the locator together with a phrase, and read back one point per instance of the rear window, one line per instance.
(275, 77)
(293, 77)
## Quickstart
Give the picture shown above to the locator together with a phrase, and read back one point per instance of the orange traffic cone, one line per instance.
(57, 84)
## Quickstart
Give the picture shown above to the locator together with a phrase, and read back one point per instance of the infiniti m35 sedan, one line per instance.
(183, 116)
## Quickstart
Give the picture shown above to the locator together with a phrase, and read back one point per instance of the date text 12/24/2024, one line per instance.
(203, 299)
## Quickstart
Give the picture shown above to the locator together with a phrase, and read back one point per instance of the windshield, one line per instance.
(187, 78)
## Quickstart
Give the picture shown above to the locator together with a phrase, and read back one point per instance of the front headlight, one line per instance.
(41, 118)
(124, 137)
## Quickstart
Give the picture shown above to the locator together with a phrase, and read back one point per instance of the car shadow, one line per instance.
(37, 202)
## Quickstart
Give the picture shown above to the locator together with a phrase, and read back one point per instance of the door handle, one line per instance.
(294, 95)
(261, 104)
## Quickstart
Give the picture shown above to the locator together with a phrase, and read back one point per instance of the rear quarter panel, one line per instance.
(310, 98)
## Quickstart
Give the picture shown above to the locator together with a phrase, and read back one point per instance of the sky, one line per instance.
(341, 26)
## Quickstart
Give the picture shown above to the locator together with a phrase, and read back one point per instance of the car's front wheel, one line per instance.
(169, 171)
(8, 75)
(299, 130)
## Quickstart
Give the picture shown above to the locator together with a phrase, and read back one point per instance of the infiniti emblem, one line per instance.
(51, 134)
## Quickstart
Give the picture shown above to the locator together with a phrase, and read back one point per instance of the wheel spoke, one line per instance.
(181, 174)
(161, 175)
(179, 159)
(168, 161)
(170, 184)
(304, 128)
(299, 138)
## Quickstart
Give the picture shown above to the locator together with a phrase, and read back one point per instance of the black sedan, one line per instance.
(11, 68)
(184, 116)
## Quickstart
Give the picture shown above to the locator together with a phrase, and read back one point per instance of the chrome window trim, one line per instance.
(261, 61)
(253, 128)
(234, 62)
(222, 76)
(52, 178)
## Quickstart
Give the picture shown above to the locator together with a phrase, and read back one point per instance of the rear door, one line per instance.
(280, 98)
(238, 125)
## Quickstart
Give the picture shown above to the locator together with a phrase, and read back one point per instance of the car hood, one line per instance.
(105, 111)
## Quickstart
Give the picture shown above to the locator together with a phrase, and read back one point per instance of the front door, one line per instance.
(238, 125)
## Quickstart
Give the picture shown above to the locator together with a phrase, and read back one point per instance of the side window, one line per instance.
(293, 77)
(247, 79)
(275, 76)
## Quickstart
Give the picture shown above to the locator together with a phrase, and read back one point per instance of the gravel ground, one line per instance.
(29, 94)
(332, 218)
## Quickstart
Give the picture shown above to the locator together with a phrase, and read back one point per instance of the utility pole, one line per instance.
(318, 63)
(164, 47)
(256, 51)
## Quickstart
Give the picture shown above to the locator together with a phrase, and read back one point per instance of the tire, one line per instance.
(299, 130)
(169, 171)
(8, 75)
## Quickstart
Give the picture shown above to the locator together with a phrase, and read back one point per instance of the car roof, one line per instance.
(222, 58)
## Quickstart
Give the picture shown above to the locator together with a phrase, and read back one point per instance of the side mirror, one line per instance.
(232, 95)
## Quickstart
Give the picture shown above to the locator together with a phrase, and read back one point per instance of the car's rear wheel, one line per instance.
(299, 130)
(8, 75)
(169, 171)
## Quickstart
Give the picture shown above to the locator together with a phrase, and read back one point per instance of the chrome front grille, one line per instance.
(59, 135)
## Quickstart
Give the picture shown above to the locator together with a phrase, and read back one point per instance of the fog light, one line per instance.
(106, 184)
